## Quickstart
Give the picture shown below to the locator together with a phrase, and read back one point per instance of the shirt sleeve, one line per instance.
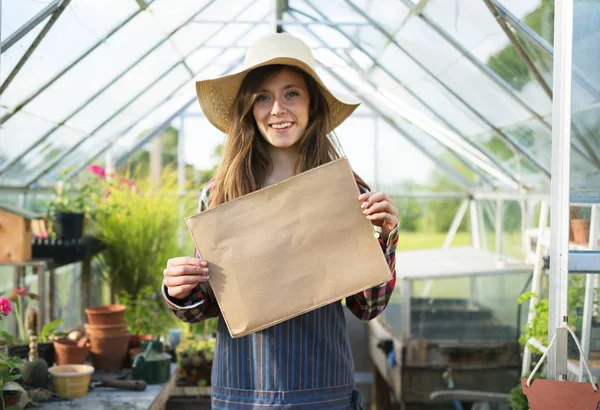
(368, 304)
(201, 303)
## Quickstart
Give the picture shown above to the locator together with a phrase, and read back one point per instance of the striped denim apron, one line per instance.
(303, 363)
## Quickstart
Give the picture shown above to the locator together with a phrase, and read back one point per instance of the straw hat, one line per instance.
(216, 96)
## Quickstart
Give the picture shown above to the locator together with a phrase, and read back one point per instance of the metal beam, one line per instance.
(106, 85)
(558, 306)
(287, 22)
(519, 48)
(543, 46)
(30, 25)
(131, 101)
(55, 15)
(27, 100)
(489, 73)
(416, 96)
(445, 167)
(498, 131)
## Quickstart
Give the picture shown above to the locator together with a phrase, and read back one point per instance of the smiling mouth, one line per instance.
(281, 125)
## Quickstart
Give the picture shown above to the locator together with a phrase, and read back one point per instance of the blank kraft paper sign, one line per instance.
(289, 248)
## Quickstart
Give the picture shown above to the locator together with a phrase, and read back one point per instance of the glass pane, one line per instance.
(140, 77)
(81, 25)
(20, 132)
(16, 13)
(103, 65)
(11, 57)
(43, 154)
(172, 13)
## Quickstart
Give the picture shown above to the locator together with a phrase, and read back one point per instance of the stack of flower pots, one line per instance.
(108, 336)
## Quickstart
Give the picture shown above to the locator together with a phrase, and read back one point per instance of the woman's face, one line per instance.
(281, 108)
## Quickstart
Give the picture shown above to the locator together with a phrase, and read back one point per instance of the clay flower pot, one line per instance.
(68, 352)
(106, 330)
(106, 315)
(11, 398)
(71, 381)
(581, 230)
(108, 352)
(559, 395)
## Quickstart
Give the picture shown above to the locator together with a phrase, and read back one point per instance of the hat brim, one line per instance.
(216, 96)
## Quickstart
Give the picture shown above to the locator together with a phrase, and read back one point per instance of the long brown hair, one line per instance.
(246, 165)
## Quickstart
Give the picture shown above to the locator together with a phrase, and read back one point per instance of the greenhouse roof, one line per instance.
(463, 87)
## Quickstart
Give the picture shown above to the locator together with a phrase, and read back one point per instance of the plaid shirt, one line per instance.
(302, 363)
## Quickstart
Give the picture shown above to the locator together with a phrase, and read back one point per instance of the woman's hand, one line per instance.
(183, 274)
(380, 210)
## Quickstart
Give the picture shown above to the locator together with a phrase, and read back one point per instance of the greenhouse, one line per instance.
(479, 118)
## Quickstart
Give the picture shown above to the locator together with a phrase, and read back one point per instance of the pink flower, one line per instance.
(97, 170)
(5, 307)
(43, 235)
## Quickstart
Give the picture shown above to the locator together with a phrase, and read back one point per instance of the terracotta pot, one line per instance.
(106, 315)
(67, 352)
(559, 395)
(581, 231)
(109, 352)
(11, 398)
(136, 340)
(106, 330)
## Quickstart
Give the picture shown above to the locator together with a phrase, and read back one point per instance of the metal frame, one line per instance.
(55, 15)
(63, 155)
(500, 133)
(518, 48)
(451, 172)
(417, 97)
(27, 100)
(106, 85)
(561, 164)
(543, 46)
(287, 22)
(30, 25)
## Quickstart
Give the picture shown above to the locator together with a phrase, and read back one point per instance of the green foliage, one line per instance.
(192, 345)
(8, 366)
(517, 400)
(538, 329)
(146, 313)
(48, 330)
(139, 228)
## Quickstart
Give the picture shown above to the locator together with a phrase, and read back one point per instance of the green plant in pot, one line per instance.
(138, 224)
(8, 374)
(147, 316)
(195, 354)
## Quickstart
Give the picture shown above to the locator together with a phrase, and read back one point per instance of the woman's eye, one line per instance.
(262, 98)
(292, 94)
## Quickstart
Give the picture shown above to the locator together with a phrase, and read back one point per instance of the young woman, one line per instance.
(278, 116)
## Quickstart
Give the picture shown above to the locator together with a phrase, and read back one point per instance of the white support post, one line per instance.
(560, 187)
(588, 304)
(460, 214)
(499, 226)
(481, 223)
(181, 177)
(535, 281)
(475, 231)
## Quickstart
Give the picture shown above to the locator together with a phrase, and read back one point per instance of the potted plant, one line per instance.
(25, 314)
(195, 355)
(8, 374)
(580, 224)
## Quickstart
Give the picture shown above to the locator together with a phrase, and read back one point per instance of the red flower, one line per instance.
(97, 170)
(5, 307)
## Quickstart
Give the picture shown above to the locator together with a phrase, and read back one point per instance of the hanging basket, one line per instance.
(561, 395)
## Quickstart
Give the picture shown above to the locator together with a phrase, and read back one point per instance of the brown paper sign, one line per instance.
(289, 248)
(560, 395)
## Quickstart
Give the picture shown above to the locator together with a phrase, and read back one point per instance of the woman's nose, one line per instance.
(278, 108)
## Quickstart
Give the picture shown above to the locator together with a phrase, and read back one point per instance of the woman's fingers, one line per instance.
(180, 292)
(175, 281)
(186, 260)
(185, 270)
(383, 206)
